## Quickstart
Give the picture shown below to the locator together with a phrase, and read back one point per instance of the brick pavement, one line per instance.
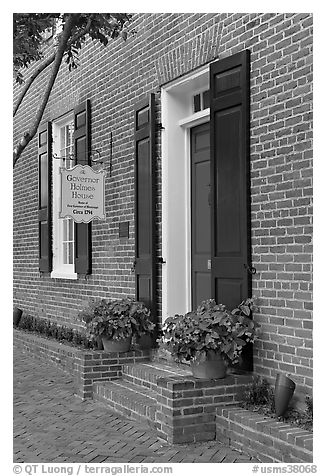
(51, 425)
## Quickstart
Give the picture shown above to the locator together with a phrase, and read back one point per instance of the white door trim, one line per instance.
(177, 120)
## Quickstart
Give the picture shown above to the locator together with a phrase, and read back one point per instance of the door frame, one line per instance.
(177, 120)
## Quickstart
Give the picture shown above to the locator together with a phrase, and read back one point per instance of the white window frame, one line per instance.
(199, 92)
(60, 269)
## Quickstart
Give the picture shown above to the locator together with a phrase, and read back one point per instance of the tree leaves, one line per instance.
(30, 39)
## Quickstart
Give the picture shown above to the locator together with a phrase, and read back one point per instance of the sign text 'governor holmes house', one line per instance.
(82, 194)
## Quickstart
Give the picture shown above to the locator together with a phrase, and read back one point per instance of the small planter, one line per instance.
(213, 367)
(284, 389)
(121, 345)
(17, 315)
(116, 318)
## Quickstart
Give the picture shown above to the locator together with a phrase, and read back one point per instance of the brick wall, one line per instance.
(114, 78)
(186, 406)
(267, 439)
(84, 366)
(281, 174)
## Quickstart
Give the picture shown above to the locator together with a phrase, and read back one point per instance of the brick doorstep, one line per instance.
(169, 399)
(147, 374)
(135, 394)
(127, 399)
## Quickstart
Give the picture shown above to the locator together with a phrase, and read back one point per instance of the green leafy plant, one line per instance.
(212, 327)
(259, 397)
(309, 407)
(30, 31)
(26, 322)
(259, 393)
(52, 330)
(117, 319)
(303, 419)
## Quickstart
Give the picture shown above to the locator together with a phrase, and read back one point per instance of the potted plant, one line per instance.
(146, 331)
(115, 322)
(210, 337)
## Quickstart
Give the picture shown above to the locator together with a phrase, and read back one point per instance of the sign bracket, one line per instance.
(95, 157)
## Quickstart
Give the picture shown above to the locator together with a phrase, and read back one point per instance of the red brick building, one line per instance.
(204, 126)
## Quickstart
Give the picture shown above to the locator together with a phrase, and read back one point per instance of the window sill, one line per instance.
(63, 275)
(195, 119)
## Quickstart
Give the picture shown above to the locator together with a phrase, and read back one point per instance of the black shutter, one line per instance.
(145, 204)
(82, 147)
(229, 89)
(44, 137)
(230, 177)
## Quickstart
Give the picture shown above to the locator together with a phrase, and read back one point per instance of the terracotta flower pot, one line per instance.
(17, 315)
(213, 367)
(284, 389)
(121, 345)
(99, 343)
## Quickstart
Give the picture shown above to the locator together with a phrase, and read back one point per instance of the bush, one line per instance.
(26, 322)
(303, 419)
(259, 397)
(54, 331)
(309, 407)
(260, 393)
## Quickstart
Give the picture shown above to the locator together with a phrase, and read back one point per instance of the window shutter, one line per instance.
(231, 247)
(145, 204)
(82, 147)
(44, 137)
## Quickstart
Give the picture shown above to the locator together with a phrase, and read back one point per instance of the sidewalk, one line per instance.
(53, 426)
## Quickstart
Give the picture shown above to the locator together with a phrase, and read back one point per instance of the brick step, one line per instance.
(180, 407)
(127, 399)
(147, 374)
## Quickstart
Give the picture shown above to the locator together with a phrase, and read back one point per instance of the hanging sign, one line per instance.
(82, 194)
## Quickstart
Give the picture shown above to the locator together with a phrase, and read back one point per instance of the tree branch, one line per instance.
(63, 41)
(47, 63)
(30, 80)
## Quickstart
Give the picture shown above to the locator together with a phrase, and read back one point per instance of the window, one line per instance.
(65, 248)
(200, 101)
(63, 228)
